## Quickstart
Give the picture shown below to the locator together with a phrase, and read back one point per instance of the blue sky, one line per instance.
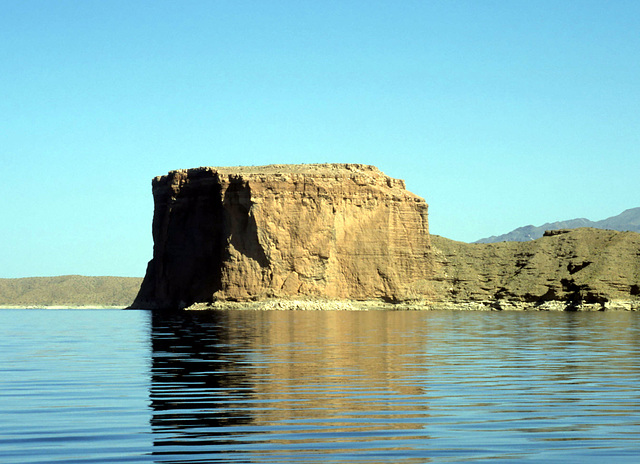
(499, 113)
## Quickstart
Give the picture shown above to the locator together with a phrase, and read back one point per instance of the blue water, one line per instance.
(108, 386)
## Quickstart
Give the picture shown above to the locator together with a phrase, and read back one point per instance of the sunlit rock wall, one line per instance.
(286, 231)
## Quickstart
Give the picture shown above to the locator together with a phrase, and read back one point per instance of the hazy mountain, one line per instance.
(628, 220)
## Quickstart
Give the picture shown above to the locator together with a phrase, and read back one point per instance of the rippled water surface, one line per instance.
(98, 386)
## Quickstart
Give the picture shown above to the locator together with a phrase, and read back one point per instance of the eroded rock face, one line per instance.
(241, 233)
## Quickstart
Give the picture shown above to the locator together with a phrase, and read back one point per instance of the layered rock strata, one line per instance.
(334, 231)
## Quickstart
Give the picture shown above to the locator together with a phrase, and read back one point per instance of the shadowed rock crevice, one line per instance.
(243, 230)
(185, 269)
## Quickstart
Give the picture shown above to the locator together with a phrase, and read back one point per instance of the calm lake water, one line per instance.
(108, 386)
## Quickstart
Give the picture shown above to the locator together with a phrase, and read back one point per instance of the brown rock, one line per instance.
(286, 231)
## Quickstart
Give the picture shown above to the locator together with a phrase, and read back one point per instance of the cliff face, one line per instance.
(287, 231)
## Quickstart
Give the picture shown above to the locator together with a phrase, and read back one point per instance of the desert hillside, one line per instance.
(70, 290)
(575, 267)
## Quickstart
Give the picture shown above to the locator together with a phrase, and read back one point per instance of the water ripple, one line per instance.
(312, 387)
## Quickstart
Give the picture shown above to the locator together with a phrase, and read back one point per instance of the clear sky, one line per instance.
(499, 113)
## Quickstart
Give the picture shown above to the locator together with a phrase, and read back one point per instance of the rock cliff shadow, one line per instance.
(241, 228)
(197, 387)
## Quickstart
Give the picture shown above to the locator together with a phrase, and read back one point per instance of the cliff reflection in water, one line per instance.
(228, 384)
(392, 387)
(197, 385)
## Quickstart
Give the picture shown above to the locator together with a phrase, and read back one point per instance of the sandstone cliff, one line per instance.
(287, 231)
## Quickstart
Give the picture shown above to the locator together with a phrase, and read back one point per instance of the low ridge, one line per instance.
(69, 291)
(583, 268)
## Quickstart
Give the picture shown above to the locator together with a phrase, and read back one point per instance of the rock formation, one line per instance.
(318, 235)
(336, 231)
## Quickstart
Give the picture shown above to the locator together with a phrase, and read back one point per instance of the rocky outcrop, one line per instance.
(337, 231)
(565, 269)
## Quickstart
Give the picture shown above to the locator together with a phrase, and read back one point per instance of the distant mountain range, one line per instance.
(628, 220)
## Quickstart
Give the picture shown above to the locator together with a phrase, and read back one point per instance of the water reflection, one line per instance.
(247, 386)
(199, 389)
(233, 382)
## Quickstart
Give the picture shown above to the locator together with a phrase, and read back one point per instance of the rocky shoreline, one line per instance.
(375, 305)
(60, 307)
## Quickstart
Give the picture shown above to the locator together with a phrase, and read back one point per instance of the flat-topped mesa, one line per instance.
(336, 231)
